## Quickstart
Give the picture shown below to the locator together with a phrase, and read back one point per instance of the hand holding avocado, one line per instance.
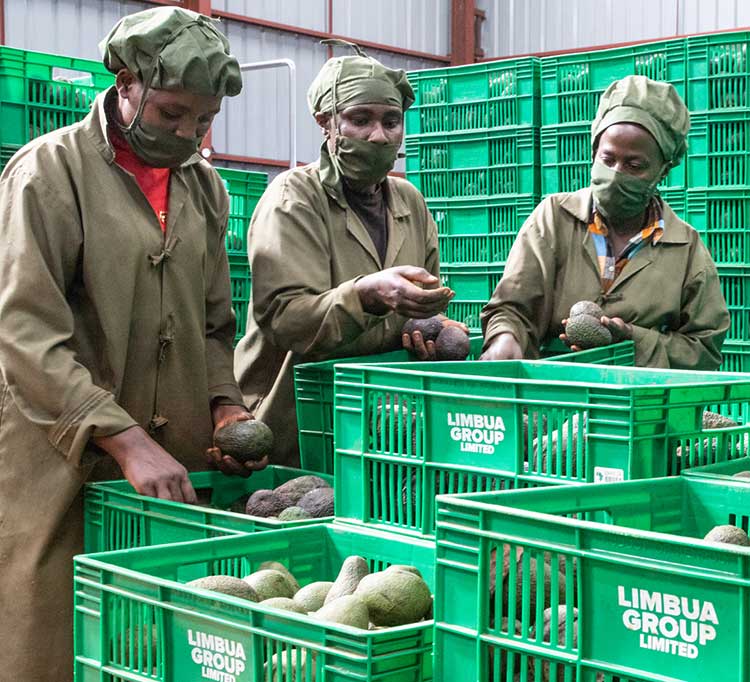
(241, 443)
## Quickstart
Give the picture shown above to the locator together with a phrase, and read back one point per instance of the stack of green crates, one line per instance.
(42, 92)
(472, 149)
(718, 198)
(245, 189)
(571, 87)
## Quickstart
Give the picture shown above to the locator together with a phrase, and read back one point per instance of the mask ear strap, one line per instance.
(150, 74)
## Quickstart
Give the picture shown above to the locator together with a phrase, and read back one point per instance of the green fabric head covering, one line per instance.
(358, 79)
(654, 105)
(183, 50)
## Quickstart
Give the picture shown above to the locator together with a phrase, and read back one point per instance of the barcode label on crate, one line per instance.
(608, 475)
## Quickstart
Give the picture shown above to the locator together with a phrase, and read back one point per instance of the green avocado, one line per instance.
(586, 331)
(249, 440)
(586, 308)
(430, 328)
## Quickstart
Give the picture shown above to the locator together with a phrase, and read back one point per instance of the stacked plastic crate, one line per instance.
(472, 149)
(571, 87)
(245, 189)
(718, 172)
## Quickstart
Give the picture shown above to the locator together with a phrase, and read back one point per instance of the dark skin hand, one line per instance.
(223, 415)
(426, 350)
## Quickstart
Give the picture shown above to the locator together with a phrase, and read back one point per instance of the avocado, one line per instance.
(352, 571)
(394, 597)
(318, 503)
(313, 596)
(586, 331)
(284, 603)
(296, 488)
(284, 666)
(586, 308)
(559, 640)
(741, 474)
(276, 566)
(452, 344)
(404, 567)
(394, 438)
(518, 630)
(430, 327)
(136, 640)
(249, 440)
(268, 583)
(531, 578)
(730, 535)
(226, 584)
(554, 448)
(294, 514)
(347, 610)
(712, 420)
(266, 503)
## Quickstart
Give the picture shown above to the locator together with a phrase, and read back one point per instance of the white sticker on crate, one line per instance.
(476, 432)
(220, 659)
(668, 623)
(608, 475)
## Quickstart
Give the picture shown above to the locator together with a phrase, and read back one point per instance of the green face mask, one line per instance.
(619, 195)
(363, 163)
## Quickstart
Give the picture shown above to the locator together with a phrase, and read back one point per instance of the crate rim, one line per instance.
(99, 561)
(466, 501)
(106, 488)
(719, 378)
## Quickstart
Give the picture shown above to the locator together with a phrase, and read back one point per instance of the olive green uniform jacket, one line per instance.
(104, 324)
(307, 248)
(669, 291)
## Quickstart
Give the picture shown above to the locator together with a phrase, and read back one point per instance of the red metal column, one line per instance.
(203, 7)
(2, 22)
(463, 36)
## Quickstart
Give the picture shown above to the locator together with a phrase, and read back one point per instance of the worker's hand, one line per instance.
(229, 466)
(621, 330)
(425, 350)
(398, 289)
(504, 347)
(149, 468)
(564, 338)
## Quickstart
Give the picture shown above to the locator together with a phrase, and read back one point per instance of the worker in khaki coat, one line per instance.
(341, 254)
(618, 244)
(115, 316)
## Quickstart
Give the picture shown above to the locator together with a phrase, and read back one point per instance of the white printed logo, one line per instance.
(220, 659)
(608, 475)
(668, 623)
(476, 432)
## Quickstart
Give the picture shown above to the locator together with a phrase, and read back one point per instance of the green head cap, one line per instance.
(653, 105)
(357, 79)
(174, 49)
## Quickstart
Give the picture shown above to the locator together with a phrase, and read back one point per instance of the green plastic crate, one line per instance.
(479, 231)
(719, 150)
(116, 517)
(461, 425)
(120, 594)
(620, 354)
(718, 71)
(722, 471)
(567, 158)
(473, 285)
(6, 152)
(241, 281)
(572, 83)
(735, 285)
(475, 97)
(245, 189)
(479, 165)
(313, 392)
(42, 92)
(722, 217)
(632, 562)
(736, 357)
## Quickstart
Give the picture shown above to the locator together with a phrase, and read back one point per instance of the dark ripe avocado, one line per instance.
(318, 503)
(430, 327)
(586, 308)
(249, 440)
(586, 331)
(452, 344)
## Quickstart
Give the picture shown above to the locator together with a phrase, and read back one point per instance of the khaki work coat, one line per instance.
(669, 291)
(104, 323)
(307, 248)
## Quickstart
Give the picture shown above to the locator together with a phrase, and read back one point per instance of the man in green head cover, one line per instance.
(341, 254)
(116, 324)
(616, 243)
